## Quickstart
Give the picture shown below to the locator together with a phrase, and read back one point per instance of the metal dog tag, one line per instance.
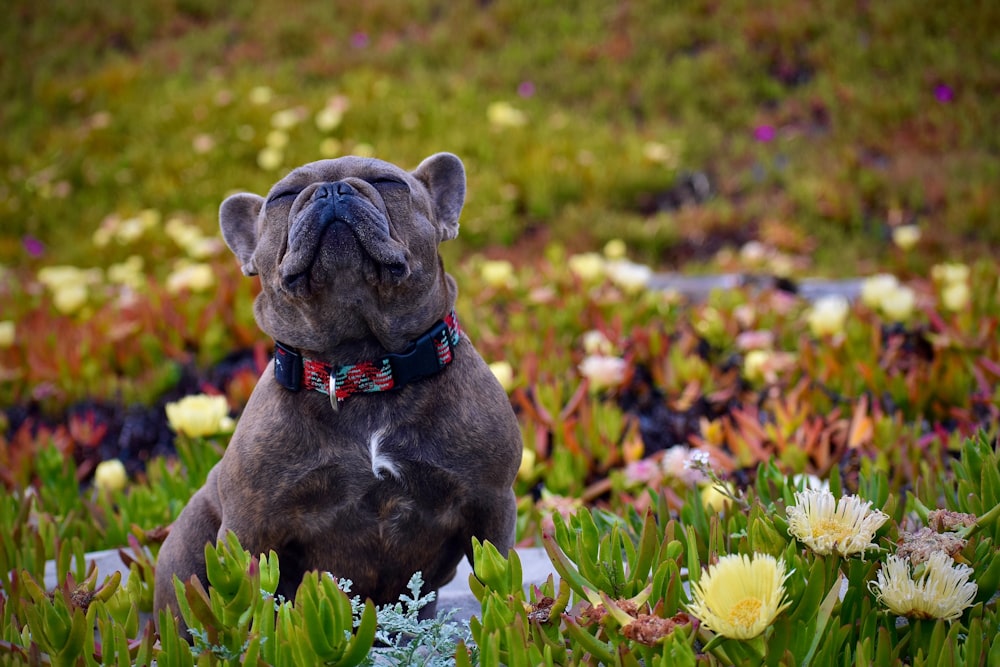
(334, 403)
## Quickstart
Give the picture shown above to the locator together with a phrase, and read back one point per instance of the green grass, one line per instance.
(103, 102)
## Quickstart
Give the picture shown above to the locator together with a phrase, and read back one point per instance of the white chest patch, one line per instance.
(381, 463)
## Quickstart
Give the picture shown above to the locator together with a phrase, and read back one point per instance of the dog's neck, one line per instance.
(427, 355)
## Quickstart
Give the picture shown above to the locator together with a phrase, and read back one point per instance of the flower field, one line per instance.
(748, 475)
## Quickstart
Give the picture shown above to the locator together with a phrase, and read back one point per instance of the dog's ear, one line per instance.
(444, 176)
(238, 220)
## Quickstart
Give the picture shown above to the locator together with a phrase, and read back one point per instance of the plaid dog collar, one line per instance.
(425, 356)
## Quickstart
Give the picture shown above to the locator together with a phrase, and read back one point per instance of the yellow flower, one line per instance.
(7, 331)
(286, 118)
(526, 471)
(260, 95)
(955, 296)
(270, 158)
(588, 266)
(905, 236)
(595, 342)
(199, 415)
(110, 476)
(716, 499)
(328, 118)
(498, 273)
(69, 298)
(504, 114)
(615, 249)
(128, 272)
(740, 596)
(191, 276)
(942, 590)
(504, 373)
(754, 364)
(950, 273)
(828, 315)
(826, 525)
(277, 139)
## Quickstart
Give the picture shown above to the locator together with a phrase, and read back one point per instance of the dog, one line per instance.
(377, 443)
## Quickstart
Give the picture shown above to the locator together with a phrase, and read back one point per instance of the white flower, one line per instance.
(898, 304)
(328, 118)
(826, 525)
(828, 315)
(603, 371)
(875, 288)
(498, 273)
(942, 591)
(286, 118)
(627, 275)
(740, 596)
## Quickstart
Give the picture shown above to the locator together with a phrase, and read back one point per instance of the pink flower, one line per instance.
(526, 89)
(764, 133)
(943, 93)
(33, 246)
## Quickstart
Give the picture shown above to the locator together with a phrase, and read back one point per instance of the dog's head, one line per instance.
(347, 249)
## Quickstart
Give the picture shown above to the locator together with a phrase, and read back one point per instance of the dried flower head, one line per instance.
(826, 525)
(740, 596)
(942, 590)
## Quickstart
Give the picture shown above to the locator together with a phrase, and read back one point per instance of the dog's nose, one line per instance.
(331, 190)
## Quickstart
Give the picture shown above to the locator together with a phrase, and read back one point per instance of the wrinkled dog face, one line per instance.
(350, 233)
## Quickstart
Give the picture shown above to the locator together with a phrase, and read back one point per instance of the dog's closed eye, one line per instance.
(281, 195)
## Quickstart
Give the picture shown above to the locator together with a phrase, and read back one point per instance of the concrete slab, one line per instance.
(457, 595)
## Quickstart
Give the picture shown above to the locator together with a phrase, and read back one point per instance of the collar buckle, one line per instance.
(421, 359)
(287, 367)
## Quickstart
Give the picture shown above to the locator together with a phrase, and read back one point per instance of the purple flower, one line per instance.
(33, 246)
(764, 133)
(944, 93)
(359, 40)
(526, 89)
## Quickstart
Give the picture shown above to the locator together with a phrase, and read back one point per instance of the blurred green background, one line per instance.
(683, 128)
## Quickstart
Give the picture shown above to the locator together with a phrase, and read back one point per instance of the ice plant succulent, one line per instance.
(826, 525)
(942, 590)
(740, 596)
